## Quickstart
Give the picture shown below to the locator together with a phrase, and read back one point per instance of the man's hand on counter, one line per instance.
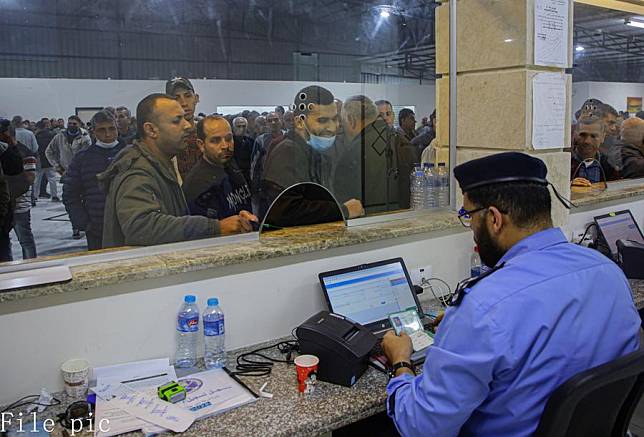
(237, 224)
(397, 348)
(355, 208)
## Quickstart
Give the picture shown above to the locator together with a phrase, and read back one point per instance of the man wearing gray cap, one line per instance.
(182, 89)
(547, 310)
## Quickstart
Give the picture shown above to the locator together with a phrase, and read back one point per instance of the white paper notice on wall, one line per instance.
(548, 110)
(551, 19)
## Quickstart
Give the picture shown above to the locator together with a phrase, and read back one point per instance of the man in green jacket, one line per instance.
(145, 204)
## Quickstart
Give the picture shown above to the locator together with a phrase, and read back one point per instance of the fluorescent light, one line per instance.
(632, 23)
(384, 14)
(579, 49)
(508, 40)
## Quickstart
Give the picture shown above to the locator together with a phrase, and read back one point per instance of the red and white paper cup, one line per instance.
(307, 371)
(76, 377)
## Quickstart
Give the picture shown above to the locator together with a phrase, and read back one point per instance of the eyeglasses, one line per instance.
(465, 216)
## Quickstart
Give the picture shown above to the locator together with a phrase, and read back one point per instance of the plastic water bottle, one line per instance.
(417, 188)
(430, 182)
(475, 263)
(214, 335)
(442, 186)
(187, 333)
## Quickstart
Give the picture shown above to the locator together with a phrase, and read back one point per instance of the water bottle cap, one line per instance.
(190, 298)
(427, 164)
(213, 301)
(441, 164)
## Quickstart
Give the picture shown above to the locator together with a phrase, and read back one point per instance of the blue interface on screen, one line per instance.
(620, 226)
(370, 295)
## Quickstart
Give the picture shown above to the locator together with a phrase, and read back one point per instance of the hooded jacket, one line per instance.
(145, 204)
(60, 151)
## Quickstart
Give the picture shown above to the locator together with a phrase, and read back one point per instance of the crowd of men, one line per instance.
(171, 174)
(606, 145)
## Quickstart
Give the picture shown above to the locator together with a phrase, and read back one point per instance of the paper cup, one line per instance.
(307, 369)
(76, 377)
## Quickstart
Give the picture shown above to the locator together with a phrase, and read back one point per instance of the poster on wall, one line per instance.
(548, 110)
(633, 104)
(551, 21)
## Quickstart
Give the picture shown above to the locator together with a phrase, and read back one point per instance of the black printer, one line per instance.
(630, 257)
(342, 346)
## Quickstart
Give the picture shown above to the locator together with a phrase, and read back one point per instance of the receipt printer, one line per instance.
(342, 346)
(630, 256)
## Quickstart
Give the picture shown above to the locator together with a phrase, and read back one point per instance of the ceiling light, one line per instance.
(632, 23)
(384, 14)
(508, 40)
(579, 49)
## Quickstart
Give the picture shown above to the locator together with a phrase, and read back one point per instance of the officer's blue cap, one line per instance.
(500, 168)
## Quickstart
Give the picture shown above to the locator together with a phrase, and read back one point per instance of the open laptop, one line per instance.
(368, 293)
(618, 225)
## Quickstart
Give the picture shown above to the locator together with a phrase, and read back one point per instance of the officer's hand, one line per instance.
(397, 347)
(235, 224)
(437, 320)
(355, 208)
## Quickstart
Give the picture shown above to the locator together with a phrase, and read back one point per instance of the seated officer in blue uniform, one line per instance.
(546, 311)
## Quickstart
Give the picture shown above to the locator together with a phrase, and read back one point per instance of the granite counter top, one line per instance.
(288, 413)
(275, 244)
(616, 191)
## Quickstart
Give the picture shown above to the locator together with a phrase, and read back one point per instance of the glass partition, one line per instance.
(151, 122)
(607, 141)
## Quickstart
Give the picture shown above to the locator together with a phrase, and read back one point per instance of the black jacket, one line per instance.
(216, 191)
(83, 199)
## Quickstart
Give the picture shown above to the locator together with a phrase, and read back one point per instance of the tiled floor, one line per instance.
(52, 231)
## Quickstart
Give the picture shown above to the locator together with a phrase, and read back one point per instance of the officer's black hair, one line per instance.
(527, 203)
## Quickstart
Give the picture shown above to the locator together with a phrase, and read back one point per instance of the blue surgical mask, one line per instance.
(319, 143)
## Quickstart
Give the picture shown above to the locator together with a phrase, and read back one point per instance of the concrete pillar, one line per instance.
(495, 68)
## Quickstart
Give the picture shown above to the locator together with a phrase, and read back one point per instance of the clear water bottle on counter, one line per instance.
(475, 263)
(187, 333)
(442, 186)
(430, 186)
(417, 188)
(214, 335)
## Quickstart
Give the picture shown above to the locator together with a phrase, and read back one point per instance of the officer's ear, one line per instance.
(496, 219)
(201, 145)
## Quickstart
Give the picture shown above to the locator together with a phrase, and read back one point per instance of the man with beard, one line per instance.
(547, 310)
(127, 131)
(243, 146)
(182, 89)
(301, 158)
(145, 204)
(587, 164)
(215, 187)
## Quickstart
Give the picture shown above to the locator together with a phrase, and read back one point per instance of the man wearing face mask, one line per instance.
(547, 310)
(588, 165)
(243, 146)
(300, 158)
(83, 199)
(66, 144)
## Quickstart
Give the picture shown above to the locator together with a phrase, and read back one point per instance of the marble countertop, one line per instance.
(288, 413)
(616, 191)
(275, 244)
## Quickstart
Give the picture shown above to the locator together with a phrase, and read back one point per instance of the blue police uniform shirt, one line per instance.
(554, 310)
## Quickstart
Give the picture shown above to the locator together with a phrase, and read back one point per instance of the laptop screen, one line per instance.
(618, 226)
(370, 292)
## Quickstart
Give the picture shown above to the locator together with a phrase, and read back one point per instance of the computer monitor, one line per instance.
(618, 225)
(368, 293)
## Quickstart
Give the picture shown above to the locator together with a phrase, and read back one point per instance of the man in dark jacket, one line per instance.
(375, 164)
(299, 158)
(84, 200)
(243, 146)
(215, 187)
(11, 164)
(44, 135)
(145, 204)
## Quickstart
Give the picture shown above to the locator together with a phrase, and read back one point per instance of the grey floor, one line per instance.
(52, 231)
